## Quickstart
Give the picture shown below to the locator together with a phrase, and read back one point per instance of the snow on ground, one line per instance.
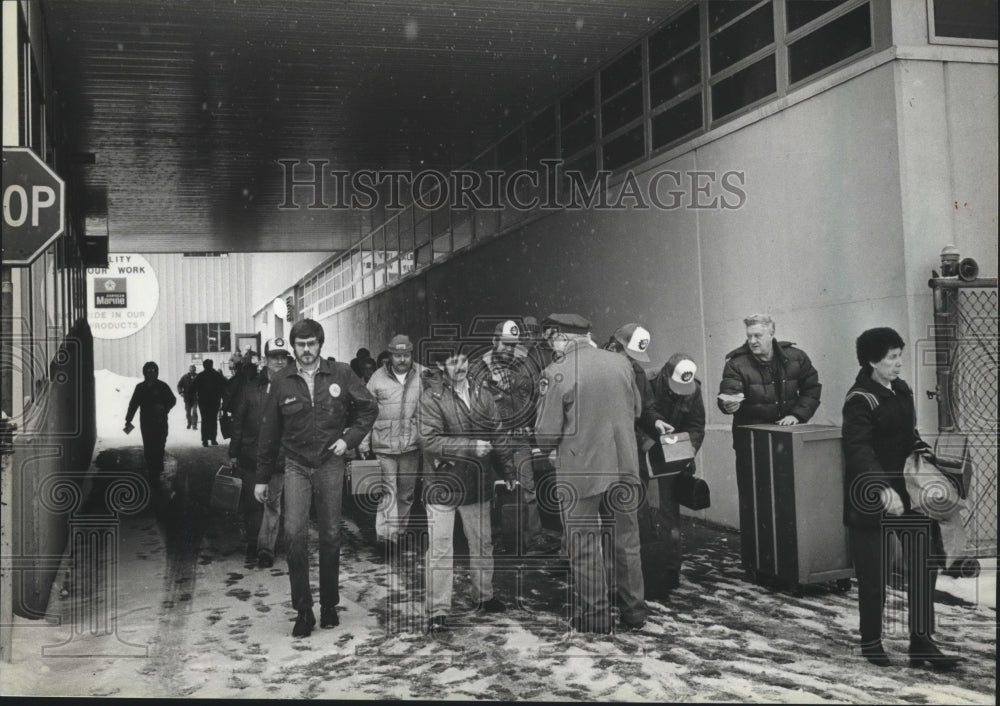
(194, 622)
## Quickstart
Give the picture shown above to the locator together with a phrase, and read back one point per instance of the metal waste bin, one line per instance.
(792, 504)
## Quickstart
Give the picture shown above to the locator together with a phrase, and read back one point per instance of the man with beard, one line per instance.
(464, 446)
(506, 371)
(314, 413)
(396, 386)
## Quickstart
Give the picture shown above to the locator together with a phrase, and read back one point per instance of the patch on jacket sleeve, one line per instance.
(335, 390)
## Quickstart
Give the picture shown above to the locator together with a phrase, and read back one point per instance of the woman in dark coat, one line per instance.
(879, 434)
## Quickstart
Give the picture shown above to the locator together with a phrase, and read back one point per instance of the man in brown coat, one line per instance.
(586, 420)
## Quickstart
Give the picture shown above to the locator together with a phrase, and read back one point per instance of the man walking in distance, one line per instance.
(764, 381)
(153, 399)
(315, 412)
(395, 438)
(185, 387)
(586, 420)
(208, 387)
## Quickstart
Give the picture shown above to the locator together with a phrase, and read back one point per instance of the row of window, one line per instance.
(707, 64)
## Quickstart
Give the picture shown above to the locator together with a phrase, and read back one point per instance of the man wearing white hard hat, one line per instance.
(678, 400)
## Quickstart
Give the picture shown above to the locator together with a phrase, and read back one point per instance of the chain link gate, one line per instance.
(965, 332)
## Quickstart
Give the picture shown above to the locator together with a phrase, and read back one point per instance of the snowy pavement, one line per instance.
(194, 622)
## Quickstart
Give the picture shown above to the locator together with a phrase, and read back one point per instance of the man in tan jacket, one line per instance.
(395, 437)
(586, 421)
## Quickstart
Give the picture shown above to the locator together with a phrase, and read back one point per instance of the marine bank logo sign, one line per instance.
(122, 297)
(110, 293)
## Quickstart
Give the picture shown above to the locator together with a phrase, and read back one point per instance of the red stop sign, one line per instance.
(34, 199)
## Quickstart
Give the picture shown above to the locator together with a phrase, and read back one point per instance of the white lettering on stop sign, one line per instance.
(41, 197)
(33, 206)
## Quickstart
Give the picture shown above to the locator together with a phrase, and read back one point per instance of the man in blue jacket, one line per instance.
(315, 412)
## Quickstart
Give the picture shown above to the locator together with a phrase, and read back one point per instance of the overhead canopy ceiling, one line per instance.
(187, 105)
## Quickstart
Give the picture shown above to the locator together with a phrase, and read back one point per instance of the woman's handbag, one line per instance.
(952, 458)
(226, 490)
(692, 492)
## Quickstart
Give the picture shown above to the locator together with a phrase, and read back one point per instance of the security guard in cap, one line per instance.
(586, 417)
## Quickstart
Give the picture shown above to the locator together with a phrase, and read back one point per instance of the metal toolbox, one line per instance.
(226, 490)
(366, 477)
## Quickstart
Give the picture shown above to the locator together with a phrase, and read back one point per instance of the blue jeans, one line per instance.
(303, 485)
(399, 473)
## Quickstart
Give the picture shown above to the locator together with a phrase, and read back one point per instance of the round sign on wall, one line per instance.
(121, 298)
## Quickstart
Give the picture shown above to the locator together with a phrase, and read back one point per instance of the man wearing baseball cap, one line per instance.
(277, 356)
(506, 371)
(632, 341)
(586, 419)
(678, 400)
(396, 386)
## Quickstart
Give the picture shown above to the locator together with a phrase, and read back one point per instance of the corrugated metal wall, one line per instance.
(193, 290)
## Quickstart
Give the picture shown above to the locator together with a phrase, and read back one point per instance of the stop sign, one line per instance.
(33, 206)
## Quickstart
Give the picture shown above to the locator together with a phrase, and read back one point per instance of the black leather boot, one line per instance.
(304, 623)
(925, 650)
(875, 653)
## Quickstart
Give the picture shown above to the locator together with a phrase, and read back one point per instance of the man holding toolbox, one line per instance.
(315, 412)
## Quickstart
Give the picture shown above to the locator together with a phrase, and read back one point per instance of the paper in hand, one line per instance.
(738, 397)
